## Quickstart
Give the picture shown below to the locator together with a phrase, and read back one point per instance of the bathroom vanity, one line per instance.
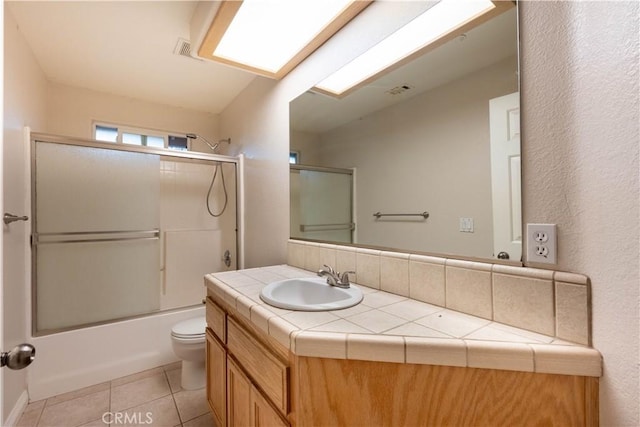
(268, 366)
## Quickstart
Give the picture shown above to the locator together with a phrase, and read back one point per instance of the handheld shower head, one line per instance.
(217, 166)
(206, 141)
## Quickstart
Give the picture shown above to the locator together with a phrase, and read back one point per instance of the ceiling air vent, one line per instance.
(183, 47)
(399, 89)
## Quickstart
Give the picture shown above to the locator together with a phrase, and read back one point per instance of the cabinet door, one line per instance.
(262, 413)
(217, 379)
(238, 396)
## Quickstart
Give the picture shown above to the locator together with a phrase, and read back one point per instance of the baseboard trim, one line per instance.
(18, 409)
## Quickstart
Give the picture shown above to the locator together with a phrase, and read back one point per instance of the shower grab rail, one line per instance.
(425, 214)
(327, 227)
(125, 235)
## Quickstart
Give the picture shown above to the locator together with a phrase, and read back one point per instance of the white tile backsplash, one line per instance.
(524, 302)
(572, 312)
(327, 256)
(469, 290)
(368, 269)
(394, 273)
(545, 302)
(426, 281)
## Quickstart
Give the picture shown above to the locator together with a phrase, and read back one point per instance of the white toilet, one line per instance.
(188, 341)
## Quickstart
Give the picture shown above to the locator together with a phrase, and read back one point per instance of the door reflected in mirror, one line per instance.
(439, 134)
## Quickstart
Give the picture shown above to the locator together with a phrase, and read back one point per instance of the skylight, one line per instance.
(271, 37)
(446, 18)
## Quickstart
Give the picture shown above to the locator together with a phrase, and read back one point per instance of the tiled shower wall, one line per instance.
(549, 302)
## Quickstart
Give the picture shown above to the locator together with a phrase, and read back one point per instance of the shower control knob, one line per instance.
(18, 358)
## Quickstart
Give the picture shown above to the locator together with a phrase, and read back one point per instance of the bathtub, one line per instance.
(79, 358)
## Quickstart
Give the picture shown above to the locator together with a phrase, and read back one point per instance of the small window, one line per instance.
(155, 141)
(180, 143)
(138, 136)
(294, 157)
(107, 134)
(132, 138)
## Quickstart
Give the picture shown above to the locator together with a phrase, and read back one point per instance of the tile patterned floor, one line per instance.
(149, 398)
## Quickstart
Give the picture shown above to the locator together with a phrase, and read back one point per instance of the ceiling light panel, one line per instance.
(439, 23)
(272, 36)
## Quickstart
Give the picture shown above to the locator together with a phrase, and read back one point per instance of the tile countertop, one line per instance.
(390, 328)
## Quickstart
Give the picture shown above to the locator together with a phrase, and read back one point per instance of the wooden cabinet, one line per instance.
(260, 383)
(216, 378)
(262, 413)
(247, 382)
(267, 370)
(246, 404)
(239, 396)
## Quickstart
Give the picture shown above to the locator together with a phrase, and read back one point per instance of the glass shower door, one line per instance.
(120, 232)
(321, 204)
(96, 235)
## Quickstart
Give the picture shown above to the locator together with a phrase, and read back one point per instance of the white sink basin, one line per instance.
(309, 294)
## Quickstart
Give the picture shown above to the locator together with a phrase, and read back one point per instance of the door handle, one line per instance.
(9, 218)
(18, 358)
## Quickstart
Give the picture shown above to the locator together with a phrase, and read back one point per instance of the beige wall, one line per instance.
(307, 143)
(258, 123)
(71, 111)
(580, 162)
(24, 105)
(416, 156)
(580, 168)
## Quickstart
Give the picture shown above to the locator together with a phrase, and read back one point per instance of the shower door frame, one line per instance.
(298, 167)
(162, 152)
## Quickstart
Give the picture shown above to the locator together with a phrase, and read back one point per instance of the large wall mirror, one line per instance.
(425, 158)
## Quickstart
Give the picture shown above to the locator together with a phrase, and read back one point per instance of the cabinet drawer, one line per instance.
(268, 372)
(216, 320)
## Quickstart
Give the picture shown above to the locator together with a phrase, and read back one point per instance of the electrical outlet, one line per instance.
(541, 243)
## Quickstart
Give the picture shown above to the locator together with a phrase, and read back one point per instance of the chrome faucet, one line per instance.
(334, 278)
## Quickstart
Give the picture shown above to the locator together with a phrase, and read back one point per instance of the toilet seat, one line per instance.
(193, 339)
(190, 330)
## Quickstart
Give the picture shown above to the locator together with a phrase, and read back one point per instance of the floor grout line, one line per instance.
(173, 397)
(39, 419)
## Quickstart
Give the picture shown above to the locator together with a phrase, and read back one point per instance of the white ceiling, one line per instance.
(126, 48)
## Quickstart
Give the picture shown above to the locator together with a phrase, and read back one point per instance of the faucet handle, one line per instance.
(330, 269)
(344, 278)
